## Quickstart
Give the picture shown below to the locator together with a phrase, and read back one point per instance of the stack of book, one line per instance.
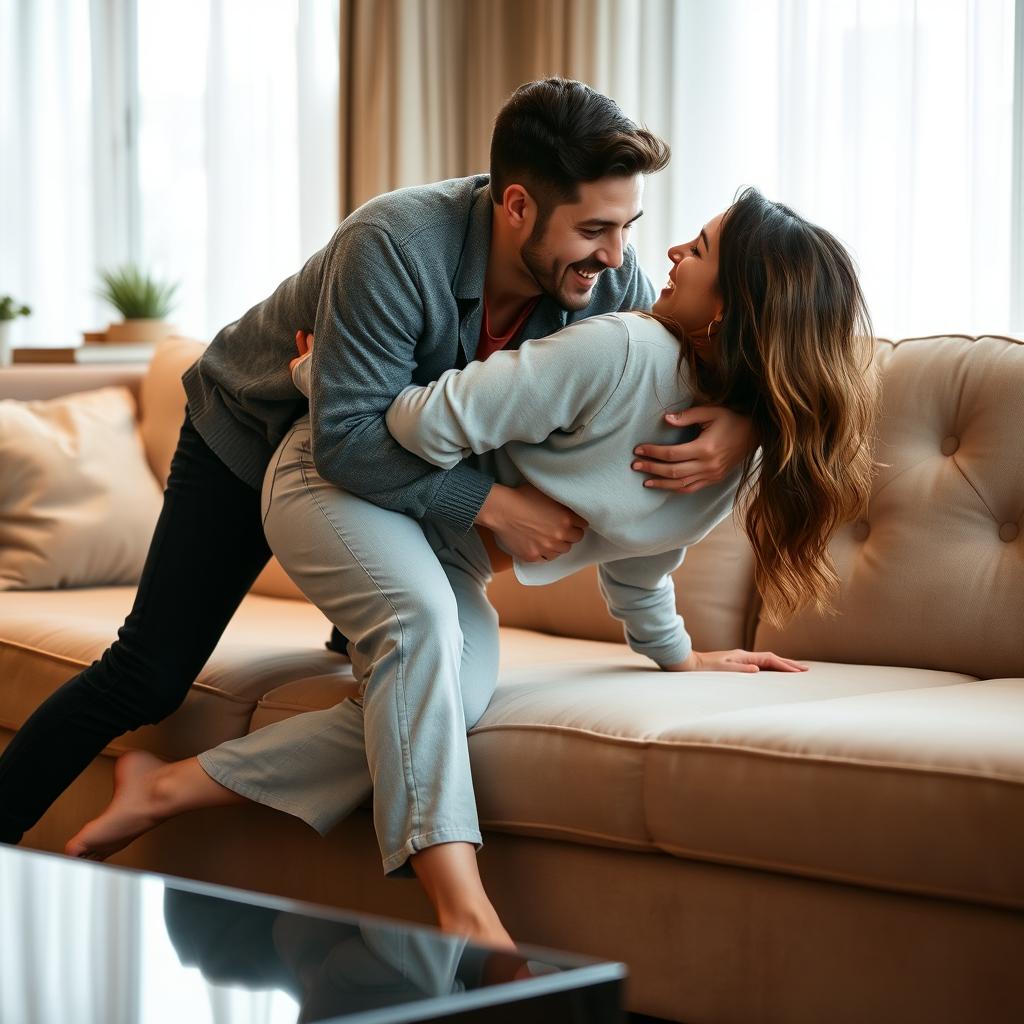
(92, 350)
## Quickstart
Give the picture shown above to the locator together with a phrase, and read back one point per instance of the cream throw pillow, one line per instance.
(78, 501)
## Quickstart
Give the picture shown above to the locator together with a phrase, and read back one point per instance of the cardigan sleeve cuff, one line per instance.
(461, 496)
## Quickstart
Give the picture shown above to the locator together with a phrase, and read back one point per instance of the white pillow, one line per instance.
(78, 501)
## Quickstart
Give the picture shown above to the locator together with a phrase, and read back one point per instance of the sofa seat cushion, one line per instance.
(313, 693)
(889, 777)
(893, 778)
(919, 789)
(48, 636)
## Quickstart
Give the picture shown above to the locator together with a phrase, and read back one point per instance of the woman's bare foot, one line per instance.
(449, 875)
(147, 791)
(137, 805)
(481, 926)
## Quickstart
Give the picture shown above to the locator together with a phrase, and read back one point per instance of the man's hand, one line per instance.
(304, 343)
(530, 525)
(725, 441)
(735, 661)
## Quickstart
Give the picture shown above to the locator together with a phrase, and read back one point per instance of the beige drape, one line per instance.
(421, 80)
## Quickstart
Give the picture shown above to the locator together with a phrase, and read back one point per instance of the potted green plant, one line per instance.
(143, 301)
(10, 310)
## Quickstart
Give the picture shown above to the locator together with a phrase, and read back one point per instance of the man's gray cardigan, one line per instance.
(395, 298)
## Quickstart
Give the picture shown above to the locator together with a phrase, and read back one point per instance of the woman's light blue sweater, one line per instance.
(564, 413)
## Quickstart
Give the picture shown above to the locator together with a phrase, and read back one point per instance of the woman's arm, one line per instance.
(528, 521)
(640, 593)
(556, 383)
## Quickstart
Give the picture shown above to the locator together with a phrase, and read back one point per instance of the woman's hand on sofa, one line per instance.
(735, 661)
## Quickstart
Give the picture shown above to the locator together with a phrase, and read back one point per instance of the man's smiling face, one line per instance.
(584, 238)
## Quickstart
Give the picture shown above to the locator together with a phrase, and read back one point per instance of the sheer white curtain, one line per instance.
(220, 171)
(238, 146)
(46, 174)
(889, 122)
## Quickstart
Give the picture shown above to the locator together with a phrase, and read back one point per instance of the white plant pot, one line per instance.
(139, 331)
(6, 352)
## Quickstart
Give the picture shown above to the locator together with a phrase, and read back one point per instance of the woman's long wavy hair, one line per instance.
(794, 351)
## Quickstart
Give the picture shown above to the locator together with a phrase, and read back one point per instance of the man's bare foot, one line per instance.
(481, 926)
(137, 805)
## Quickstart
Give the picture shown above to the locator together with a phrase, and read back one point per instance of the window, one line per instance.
(198, 138)
(889, 122)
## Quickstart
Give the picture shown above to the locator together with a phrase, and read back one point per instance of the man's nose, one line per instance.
(611, 254)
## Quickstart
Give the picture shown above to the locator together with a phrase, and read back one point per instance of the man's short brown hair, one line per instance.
(555, 133)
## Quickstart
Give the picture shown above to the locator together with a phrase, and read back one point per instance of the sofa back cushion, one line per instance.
(163, 401)
(933, 576)
(163, 409)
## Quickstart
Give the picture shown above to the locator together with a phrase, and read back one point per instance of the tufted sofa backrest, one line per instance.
(933, 576)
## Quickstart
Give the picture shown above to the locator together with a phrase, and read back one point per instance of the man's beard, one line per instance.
(534, 257)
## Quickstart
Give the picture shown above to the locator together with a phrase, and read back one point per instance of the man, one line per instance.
(412, 284)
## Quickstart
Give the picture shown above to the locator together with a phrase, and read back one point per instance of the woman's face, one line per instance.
(691, 297)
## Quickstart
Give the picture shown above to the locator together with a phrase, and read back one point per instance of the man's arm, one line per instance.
(368, 321)
(727, 438)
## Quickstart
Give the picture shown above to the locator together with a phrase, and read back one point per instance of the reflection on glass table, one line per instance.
(88, 943)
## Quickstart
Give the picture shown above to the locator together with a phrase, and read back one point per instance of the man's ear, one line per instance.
(518, 207)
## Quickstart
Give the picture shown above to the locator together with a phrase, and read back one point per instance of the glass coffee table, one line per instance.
(94, 944)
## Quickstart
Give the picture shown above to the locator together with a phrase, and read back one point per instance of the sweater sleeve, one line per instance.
(641, 594)
(557, 383)
(368, 321)
(300, 373)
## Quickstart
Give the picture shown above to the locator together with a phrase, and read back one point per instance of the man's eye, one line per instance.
(591, 234)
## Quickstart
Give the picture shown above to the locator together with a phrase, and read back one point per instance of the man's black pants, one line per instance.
(207, 549)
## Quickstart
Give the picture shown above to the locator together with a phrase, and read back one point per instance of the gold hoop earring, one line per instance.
(709, 327)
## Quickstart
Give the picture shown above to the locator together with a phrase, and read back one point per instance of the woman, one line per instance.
(762, 313)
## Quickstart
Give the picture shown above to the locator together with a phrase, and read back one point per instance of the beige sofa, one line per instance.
(842, 845)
